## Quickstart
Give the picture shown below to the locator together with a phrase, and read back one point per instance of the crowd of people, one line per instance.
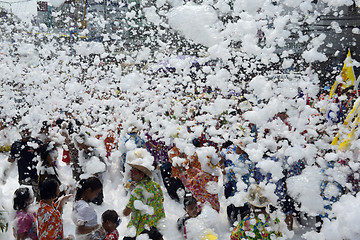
(194, 160)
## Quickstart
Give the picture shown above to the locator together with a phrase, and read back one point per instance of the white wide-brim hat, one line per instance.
(257, 198)
(141, 160)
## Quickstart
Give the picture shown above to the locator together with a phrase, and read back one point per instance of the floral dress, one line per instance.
(50, 225)
(146, 192)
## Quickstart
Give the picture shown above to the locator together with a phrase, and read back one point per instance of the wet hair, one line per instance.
(45, 151)
(21, 198)
(227, 144)
(196, 142)
(189, 200)
(92, 182)
(110, 215)
(48, 188)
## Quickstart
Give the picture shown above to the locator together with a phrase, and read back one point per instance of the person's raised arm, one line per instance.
(127, 211)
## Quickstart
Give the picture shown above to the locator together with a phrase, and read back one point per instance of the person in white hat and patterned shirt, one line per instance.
(146, 201)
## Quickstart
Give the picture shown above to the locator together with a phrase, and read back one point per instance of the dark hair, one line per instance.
(227, 144)
(21, 198)
(110, 215)
(196, 142)
(45, 151)
(189, 200)
(48, 188)
(92, 182)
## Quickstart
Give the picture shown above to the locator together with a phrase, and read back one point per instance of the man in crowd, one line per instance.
(25, 152)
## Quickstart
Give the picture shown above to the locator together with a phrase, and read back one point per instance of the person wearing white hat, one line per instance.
(258, 224)
(146, 201)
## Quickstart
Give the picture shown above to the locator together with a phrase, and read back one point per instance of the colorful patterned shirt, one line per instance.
(50, 225)
(197, 186)
(25, 223)
(148, 193)
(255, 228)
(114, 235)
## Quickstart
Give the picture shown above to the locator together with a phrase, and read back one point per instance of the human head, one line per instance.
(110, 220)
(25, 133)
(190, 206)
(46, 152)
(49, 189)
(22, 198)
(88, 188)
(136, 175)
(45, 127)
(81, 141)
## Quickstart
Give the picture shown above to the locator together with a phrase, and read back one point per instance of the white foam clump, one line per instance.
(269, 166)
(261, 87)
(94, 165)
(207, 220)
(199, 28)
(145, 209)
(178, 161)
(207, 155)
(305, 188)
(131, 82)
(313, 54)
(338, 3)
(345, 224)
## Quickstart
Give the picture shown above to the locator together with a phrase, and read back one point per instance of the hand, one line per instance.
(180, 168)
(70, 237)
(101, 230)
(66, 198)
(61, 201)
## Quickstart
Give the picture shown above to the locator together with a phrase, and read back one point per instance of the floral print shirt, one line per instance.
(256, 228)
(50, 225)
(197, 185)
(149, 193)
(114, 235)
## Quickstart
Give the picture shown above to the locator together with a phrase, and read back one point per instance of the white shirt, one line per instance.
(83, 215)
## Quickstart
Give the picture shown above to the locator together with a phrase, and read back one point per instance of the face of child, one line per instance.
(108, 226)
(192, 210)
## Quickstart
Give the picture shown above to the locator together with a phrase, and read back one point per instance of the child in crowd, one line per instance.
(83, 215)
(48, 215)
(110, 221)
(258, 224)
(25, 223)
(192, 211)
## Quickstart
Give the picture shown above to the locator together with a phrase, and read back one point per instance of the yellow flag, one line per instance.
(347, 73)
(333, 89)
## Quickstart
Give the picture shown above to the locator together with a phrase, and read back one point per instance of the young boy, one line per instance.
(110, 220)
(192, 211)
